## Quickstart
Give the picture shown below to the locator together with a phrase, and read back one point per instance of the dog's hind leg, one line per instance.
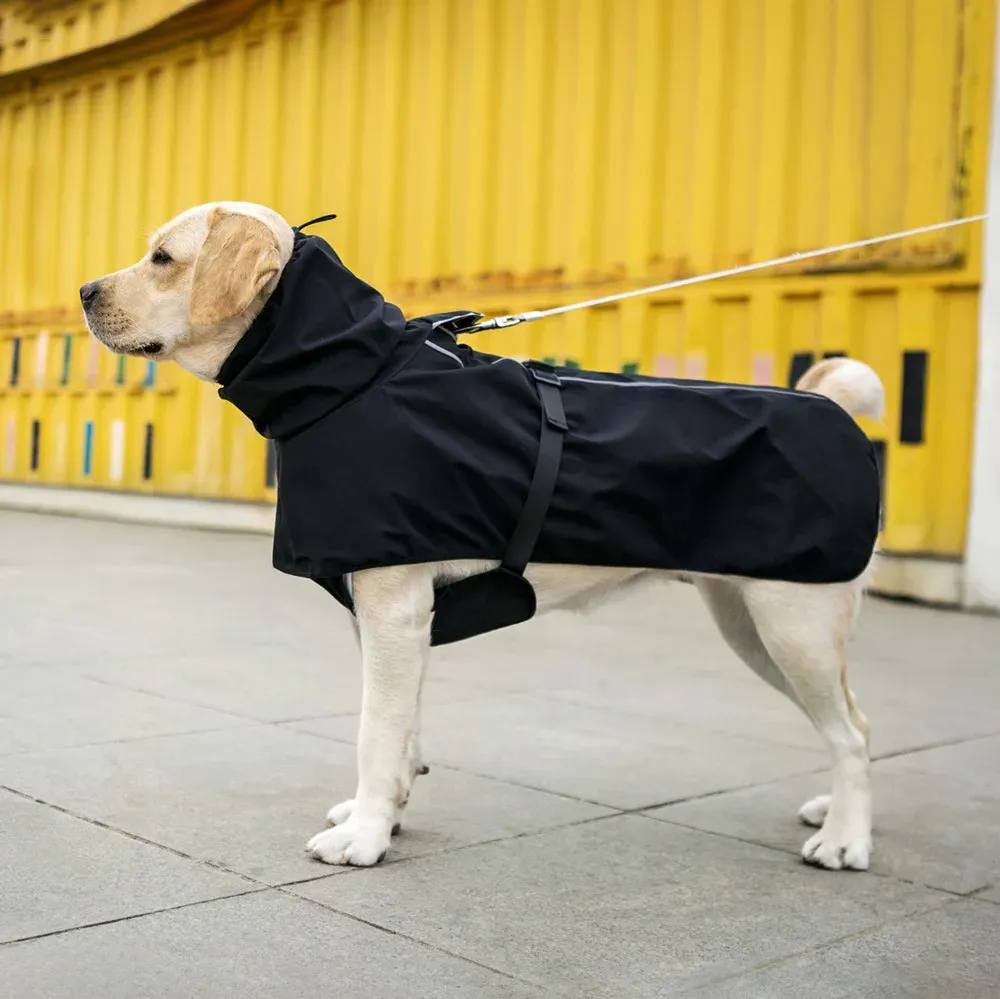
(724, 599)
(394, 609)
(805, 630)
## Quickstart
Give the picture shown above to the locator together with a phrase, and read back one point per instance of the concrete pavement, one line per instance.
(610, 810)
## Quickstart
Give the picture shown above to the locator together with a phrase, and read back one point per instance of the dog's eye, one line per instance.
(161, 257)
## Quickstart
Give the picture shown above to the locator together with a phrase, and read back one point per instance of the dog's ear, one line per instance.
(239, 256)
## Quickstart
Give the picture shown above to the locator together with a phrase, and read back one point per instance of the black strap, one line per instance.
(550, 444)
(321, 218)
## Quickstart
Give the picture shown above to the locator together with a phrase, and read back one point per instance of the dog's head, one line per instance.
(206, 276)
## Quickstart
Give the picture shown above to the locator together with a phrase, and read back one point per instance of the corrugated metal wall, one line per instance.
(512, 154)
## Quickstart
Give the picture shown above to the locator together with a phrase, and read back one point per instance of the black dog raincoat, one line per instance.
(398, 445)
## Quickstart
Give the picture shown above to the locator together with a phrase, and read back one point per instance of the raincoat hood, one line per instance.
(323, 337)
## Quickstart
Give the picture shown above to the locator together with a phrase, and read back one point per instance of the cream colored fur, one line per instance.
(794, 636)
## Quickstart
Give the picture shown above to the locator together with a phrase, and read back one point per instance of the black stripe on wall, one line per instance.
(147, 453)
(799, 365)
(36, 442)
(914, 401)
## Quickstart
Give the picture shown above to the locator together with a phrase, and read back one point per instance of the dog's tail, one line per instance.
(851, 384)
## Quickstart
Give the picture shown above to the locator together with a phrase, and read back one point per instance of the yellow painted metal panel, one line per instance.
(506, 155)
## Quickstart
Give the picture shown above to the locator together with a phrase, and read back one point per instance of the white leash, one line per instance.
(501, 322)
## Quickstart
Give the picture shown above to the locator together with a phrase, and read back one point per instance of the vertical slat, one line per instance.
(930, 152)
(341, 104)
(781, 33)
(525, 41)
(378, 206)
(563, 141)
(846, 155)
(812, 102)
(617, 184)
(646, 130)
(588, 149)
(302, 80)
(474, 141)
(426, 122)
(6, 194)
(46, 208)
(889, 76)
(677, 174)
(72, 264)
(952, 383)
(706, 152)
(17, 228)
(744, 56)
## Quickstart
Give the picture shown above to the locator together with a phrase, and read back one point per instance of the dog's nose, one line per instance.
(89, 292)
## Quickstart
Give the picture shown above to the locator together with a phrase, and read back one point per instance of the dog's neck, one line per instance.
(204, 357)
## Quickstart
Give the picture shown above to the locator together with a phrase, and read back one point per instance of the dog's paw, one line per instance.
(339, 814)
(351, 843)
(838, 849)
(813, 812)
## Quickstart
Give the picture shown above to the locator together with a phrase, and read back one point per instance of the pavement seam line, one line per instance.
(137, 738)
(795, 853)
(587, 801)
(416, 940)
(170, 700)
(929, 747)
(820, 947)
(131, 916)
(98, 823)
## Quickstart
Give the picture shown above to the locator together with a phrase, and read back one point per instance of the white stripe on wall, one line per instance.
(116, 461)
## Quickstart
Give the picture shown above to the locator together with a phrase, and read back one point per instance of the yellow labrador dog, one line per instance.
(191, 298)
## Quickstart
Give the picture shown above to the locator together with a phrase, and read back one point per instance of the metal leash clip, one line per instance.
(504, 322)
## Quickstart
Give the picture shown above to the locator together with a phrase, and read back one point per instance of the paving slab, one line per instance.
(56, 707)
(606, 756)
(133, 631)
(936, 822)
(59, 872)
(262, 946)
(269, 684)
(925, 676)
(949, 953)
(658, 653)
(249, 799)
(622, 906)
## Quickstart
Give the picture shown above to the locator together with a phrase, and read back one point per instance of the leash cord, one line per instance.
(502, 322)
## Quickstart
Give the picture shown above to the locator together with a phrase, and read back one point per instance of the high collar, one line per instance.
(321, 339)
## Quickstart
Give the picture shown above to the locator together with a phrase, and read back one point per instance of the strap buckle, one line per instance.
(549, 390)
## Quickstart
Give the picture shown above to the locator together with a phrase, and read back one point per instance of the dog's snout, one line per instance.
(89, 292)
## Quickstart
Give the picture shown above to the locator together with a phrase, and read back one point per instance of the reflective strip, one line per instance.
(654, 384)
(447, 353)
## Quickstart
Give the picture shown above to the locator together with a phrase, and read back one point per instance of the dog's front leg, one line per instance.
(394, 609)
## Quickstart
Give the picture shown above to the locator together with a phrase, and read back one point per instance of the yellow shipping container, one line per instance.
(505, 155)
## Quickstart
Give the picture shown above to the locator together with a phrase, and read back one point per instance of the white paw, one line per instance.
(837, 849)
(813, 812)
(351, 843)
(339, 814)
